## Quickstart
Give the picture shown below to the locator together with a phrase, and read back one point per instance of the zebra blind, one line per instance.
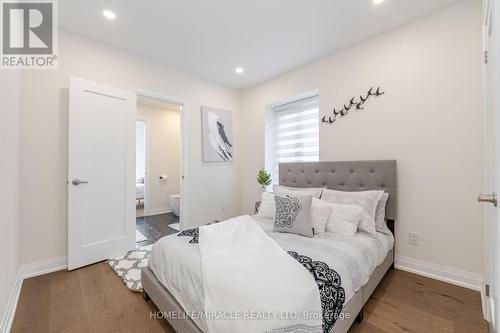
(296, 132)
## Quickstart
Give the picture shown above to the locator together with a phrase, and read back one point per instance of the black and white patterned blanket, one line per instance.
(330, 288)
(191, 233)
(328, 280)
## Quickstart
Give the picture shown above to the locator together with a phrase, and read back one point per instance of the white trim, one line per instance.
(10, 311)
(147, 163)
(44, 267)
(489, 41)
(158, 211)
(184, 216)
(27, 271)
(440, 272)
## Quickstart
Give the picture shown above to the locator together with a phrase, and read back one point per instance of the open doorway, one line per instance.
(158, 168)
(140, 166)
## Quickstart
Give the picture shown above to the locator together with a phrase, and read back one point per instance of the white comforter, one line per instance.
(177, 265)
(247, 277)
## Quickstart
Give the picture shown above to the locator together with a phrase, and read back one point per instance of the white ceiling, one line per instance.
(211, 38)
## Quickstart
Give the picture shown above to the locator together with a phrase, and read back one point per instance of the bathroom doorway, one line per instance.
(140, 166)
(159, 167)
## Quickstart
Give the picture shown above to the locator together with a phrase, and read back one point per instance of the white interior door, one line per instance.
(101, 193)
(492, 171)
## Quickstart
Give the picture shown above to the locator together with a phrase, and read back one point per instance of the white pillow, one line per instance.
(267, 206)
(320, 210)
(314, 191)
(380, 223)
(344, 219)
(368, 200)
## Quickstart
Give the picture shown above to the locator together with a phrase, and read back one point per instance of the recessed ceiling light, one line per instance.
(377, 2)
(239, 70)
(109, 14)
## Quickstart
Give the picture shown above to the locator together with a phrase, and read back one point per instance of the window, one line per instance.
(294, 133)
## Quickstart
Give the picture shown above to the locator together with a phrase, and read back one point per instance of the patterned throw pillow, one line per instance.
(293, 215)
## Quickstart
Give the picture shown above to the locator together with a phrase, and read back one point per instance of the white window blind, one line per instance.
(296, 132)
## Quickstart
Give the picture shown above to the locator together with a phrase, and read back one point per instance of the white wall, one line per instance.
(10, 191)
(164, 153)
(430, 121)
(45, 134)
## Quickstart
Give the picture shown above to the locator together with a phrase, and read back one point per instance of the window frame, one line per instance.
(270, 120)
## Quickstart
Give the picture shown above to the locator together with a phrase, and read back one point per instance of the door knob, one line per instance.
(78, 182)
(491, 198)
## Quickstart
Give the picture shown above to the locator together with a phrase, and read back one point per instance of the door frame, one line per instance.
(147, 160)
(490, 81)
(184, 158)
(485, 33)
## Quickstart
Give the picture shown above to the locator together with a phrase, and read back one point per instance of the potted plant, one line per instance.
(264, 178)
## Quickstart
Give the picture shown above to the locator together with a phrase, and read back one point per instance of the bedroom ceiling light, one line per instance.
(239, 70)
(377, 2)
(110, 15)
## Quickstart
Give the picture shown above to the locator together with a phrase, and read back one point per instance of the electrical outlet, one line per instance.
(414, 238)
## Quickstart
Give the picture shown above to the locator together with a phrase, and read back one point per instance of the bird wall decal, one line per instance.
(353, 104)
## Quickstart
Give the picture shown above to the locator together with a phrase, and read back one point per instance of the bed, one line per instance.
(362, 262)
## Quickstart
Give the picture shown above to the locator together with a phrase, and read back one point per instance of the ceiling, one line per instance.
(211, 38)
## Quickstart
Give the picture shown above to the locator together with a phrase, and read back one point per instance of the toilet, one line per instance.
(175, 204)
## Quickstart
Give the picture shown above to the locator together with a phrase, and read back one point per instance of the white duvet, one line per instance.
(249, 279)
(177, 264)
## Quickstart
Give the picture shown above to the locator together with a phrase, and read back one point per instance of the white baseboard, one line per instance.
(44, 266)
(440, 272)
(10, 311)
(157, 211)
(27, 271)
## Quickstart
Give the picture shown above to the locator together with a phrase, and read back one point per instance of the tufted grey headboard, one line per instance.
(345, 176)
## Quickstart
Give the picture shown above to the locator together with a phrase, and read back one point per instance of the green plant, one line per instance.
(264, 178)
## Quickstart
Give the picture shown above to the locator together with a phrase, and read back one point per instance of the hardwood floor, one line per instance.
(90, 299)
(93, 299)
(405, 302)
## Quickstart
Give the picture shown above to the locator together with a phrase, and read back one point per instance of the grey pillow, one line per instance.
(293, 215)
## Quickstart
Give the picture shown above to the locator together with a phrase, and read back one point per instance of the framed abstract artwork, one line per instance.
(217, 132)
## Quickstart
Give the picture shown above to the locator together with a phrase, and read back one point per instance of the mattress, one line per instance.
(176, 262)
